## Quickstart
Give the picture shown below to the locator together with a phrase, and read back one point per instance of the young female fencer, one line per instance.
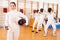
(11, 22)
(50, 21)
(39, 18)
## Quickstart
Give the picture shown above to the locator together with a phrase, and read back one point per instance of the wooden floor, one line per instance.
(27, 34)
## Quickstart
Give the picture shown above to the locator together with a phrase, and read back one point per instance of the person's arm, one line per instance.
(54, 16)
(6, 22)
(25, 17)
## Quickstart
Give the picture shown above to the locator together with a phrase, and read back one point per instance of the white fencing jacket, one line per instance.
(12, 18)
(51, 17)
(39, 17)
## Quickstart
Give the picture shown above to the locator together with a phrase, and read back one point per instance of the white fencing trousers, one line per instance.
(38, 25)
(35, 21)
(47, 25)
(13, 33)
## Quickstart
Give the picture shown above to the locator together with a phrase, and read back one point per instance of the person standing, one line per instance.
(51, 21)
(11, 22)
(39, 18)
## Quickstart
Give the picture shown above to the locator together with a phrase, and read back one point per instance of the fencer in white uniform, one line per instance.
(50, 21)
(39, 18)
(11, 22)
(35, 20)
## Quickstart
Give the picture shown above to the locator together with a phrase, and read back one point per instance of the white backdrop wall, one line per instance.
(4, 3)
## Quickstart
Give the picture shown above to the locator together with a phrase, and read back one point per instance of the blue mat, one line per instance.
(57, 26)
